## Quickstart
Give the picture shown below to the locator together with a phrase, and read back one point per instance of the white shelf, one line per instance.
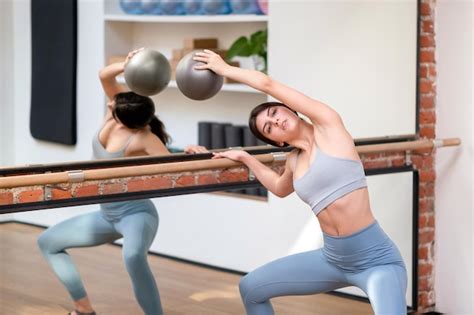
(227, 87)
(231, 18)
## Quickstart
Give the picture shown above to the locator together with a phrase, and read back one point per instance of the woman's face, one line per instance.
(277, 123)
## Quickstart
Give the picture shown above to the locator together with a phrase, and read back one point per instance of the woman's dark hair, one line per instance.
(136, 111)
(253, 121)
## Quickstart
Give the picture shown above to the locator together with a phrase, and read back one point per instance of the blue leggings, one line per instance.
(367, 259)
(138, 230)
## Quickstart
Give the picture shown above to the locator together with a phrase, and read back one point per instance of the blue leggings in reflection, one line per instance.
(138, 230)
(367, 259)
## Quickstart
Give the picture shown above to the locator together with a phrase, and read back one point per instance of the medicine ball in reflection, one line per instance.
(193, 7)
(216, 7)
(196, 84)
(131, 6)
(148, 72)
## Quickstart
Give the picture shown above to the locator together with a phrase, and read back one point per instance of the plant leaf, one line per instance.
(240, 47)
(258, 43)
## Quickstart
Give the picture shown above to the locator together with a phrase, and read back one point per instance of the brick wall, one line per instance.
(128, 184)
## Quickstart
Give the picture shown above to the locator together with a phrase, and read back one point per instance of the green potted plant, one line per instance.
(254, 48)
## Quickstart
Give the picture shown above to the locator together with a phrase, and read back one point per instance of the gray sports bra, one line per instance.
(328, 179)
(114, 210)
(99, 152)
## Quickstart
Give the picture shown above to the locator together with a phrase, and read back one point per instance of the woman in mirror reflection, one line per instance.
(130, 128)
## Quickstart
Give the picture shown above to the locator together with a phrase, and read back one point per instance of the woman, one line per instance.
(326, 172)
(130, 128)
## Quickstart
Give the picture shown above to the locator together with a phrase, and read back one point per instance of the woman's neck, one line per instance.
(305, 139)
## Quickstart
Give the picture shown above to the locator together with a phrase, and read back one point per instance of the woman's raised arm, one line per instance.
(319, 113)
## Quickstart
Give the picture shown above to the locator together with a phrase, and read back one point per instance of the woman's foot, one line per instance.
(83, 307)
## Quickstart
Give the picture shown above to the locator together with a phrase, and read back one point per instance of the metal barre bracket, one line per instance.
(76, 176)
(279, 156)
(251, 174)
(438, 143)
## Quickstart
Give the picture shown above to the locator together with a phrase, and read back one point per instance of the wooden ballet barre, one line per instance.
(199, 165)
(408, 145)
(40, 168)
(128, 171)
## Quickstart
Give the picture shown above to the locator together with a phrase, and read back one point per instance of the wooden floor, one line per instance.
(28, 287)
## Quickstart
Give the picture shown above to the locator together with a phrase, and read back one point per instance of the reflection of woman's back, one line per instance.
(134, 111)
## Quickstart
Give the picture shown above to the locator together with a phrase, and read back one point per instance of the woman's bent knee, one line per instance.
(247, 285)
(43, 241)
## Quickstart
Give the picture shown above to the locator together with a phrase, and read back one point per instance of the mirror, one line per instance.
(358, 57)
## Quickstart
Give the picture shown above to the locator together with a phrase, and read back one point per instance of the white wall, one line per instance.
(7, 82)
(6, 87)
(357, 56)
(454, 186)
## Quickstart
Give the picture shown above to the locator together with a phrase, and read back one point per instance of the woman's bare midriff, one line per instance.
(348, 214)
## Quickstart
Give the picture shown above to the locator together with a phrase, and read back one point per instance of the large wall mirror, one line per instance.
(359, 57)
